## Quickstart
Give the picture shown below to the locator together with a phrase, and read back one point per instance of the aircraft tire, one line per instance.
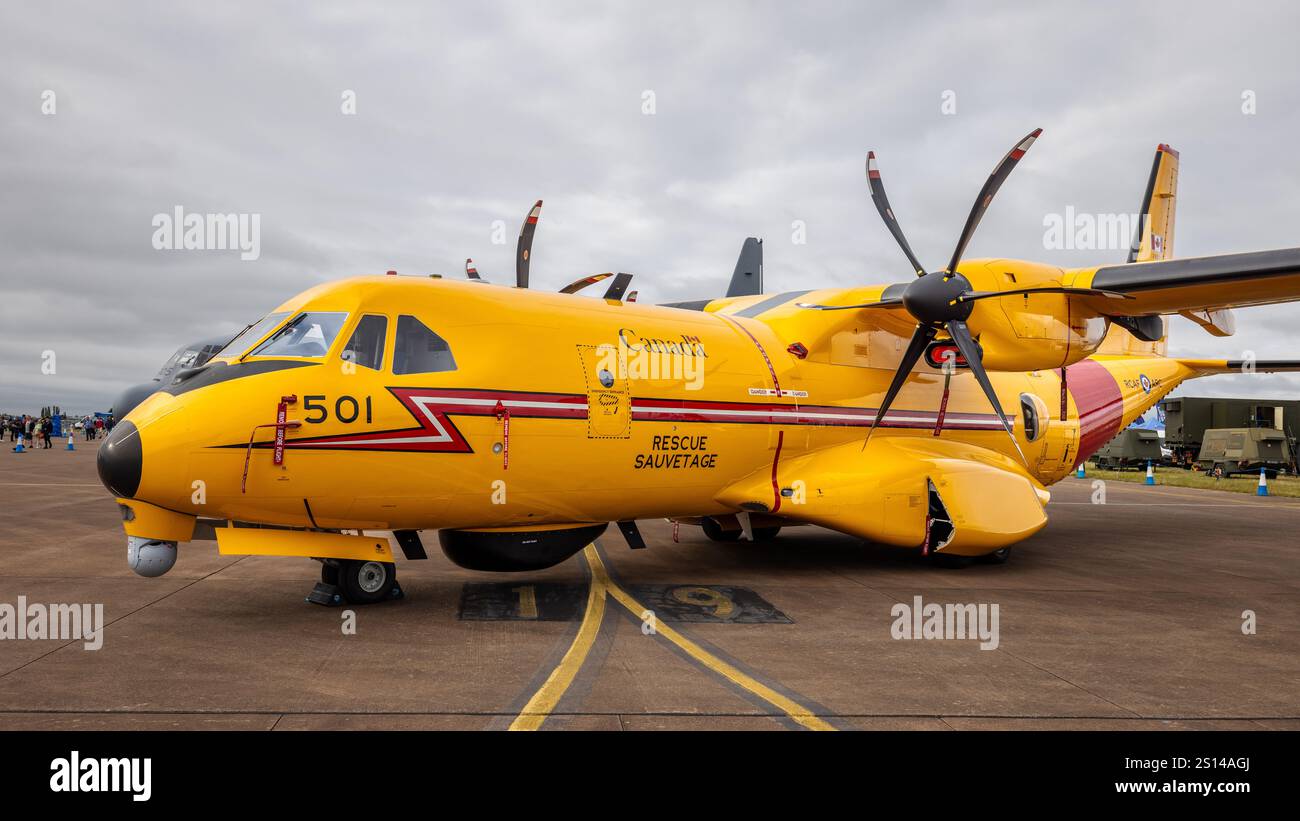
(999, 556)
(715, 532)
(366, 582)
(329, 573)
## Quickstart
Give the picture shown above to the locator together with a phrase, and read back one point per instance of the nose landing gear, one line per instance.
(352, 581)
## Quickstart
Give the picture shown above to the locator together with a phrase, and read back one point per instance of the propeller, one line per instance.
(943, 300)
(579, 284)
(524, 250)
(471, 271)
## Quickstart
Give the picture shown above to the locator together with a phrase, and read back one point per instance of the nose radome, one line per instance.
(120, 460)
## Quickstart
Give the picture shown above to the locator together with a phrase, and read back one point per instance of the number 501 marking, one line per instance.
(346, 409)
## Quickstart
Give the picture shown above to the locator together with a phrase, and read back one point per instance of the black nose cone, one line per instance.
(119, 460)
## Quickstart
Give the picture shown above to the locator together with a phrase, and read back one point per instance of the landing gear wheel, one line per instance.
(715, 532)
(329, 573)
(366, 582)
(996, 557)
(766, 534)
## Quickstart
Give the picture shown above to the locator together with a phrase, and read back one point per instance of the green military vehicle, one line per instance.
(1189, 418)
(1227, 451)
(1132, 448)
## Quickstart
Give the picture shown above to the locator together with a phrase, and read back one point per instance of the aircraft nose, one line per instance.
(131, 397)
(120, 459)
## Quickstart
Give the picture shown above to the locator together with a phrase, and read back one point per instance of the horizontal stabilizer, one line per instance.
(1210, 366)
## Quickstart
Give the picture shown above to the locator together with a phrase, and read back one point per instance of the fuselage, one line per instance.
(548, 408)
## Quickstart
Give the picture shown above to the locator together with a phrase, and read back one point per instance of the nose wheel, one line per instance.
(355, 582)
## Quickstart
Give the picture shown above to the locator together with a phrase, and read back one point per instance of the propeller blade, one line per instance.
(631, 296)
(617, 287)
(971, 353)
(884, 303)
(524, 251)
(923, 336)
(887, 213)
(579, 284)
(971, 296)
(991, 186)
(471, 271)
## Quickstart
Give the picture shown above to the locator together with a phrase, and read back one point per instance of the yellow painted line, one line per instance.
(796, 711)
(543, 702)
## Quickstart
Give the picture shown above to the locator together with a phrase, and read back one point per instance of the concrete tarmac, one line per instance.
(1123, 615)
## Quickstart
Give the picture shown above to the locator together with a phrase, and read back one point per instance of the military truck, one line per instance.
(1132, 448)
(1187, 418)
(1227, 451)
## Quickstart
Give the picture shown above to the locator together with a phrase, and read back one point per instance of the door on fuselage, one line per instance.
(609, 399)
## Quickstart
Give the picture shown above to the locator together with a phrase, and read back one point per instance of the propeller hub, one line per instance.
(932, 298)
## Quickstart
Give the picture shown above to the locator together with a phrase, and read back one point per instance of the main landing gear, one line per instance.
(999, 556)
(717, 533)
(352, 581)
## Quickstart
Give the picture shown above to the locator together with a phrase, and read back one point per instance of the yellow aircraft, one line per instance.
(519, 423)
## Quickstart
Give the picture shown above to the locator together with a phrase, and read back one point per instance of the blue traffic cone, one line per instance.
(1262, 490)
(1151, 474)
(19, 447)
(70, 447)
(1079, 474)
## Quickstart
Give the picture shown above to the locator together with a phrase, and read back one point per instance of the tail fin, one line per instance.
(1154, 239)
(747, 280)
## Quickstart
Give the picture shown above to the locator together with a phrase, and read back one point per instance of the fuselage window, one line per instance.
(419, 350)
(366, 347)
(307, 335)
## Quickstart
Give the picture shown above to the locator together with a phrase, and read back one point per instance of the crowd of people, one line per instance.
(37, 432)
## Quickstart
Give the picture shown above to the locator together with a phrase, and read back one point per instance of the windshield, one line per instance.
(306, 335)
(251, 334)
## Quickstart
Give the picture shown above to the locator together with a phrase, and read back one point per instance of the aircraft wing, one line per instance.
(1200, 283)
(903, 490)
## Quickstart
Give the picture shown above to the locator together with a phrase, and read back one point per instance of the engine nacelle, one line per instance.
(1031, 332)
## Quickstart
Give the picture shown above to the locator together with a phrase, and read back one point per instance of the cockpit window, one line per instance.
(306, 335)
(251, 334)
(419, 350)
(366, 347)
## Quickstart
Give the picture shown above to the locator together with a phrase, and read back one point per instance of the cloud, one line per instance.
(468, 113)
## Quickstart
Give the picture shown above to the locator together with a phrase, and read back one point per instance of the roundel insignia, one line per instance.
(1146, 383)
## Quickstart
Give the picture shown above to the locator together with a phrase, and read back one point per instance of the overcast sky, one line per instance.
(467, 113)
